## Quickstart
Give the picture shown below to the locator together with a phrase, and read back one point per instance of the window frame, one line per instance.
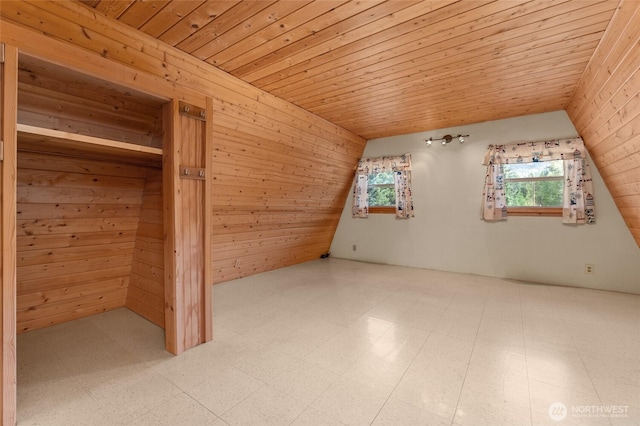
(382, 209)
(535, 210)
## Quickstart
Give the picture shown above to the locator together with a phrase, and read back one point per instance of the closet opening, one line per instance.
(89, 198)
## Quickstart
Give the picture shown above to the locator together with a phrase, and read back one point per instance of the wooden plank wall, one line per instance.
(58, 98)
(145, 294)
(281, 174)
(77, 221)
(605, 110)
(277, 199)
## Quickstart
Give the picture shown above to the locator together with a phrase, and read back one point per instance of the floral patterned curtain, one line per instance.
(401, 166)
(578, 206)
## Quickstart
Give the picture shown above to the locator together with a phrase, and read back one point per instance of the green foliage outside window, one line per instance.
(534, 184)
(381, 190)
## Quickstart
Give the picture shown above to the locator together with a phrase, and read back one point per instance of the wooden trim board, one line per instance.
(8, 167)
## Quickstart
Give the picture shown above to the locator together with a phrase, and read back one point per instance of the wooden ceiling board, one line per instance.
(113, 8)
(398, 66)
(338, 59)
(274, 49)
(382, 67)
(198, 18)
(170, 15)
(410, 90)
(316, 43)
(239, 14)
(519, 82)
(422, 52)
(274, 31)
(140, 12)
(243, 30)
(526, 58)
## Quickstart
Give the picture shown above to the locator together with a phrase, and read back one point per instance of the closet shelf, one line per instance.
(39, 139)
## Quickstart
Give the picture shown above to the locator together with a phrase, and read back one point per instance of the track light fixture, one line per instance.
(446, 139)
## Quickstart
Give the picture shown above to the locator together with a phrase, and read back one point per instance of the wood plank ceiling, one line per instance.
(381, 68)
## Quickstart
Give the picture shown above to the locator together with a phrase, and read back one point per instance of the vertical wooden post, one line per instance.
(8, 172)
(187, 200)
(208, 203)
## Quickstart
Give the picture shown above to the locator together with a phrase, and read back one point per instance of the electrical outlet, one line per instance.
(354, 247)
(237, 264)
(589, 269)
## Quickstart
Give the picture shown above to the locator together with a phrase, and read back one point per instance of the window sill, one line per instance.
(535, 211)
(382, 210)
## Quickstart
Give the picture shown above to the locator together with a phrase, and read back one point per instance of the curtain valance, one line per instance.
(383, 164)
(533, 152)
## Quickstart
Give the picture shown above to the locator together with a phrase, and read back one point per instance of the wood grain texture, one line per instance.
(76, 239)
(382, 68)
(39, 139)
(184, 226)
(271, 155)
(65, 100)
(75, 38)
(605, 109)
(145, 293)
(8, 178)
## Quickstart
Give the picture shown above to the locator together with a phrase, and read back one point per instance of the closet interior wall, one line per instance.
(89, 218)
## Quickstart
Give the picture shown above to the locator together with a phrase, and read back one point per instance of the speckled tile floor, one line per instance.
(335, 342)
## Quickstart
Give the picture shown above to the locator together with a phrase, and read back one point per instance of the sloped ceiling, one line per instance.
(381, 68)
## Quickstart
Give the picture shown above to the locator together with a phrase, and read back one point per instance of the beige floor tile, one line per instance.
(297, 343)
(396, 412)
(359, 342)
(192, 367)
(133, 395)
(435, 388)
(371, 325)
(472, 412)
(447, 348)
(180, 410)
(342, 350)
(267, 406)
(314, 417)
(224, 391)
(421, 315)
(55, 395)
(304, 381)
(561, 370)
(266, 364)
(72, 411)
(374, 370)
(390, 310)
(544, 395)
(351, 402)
(404, 336)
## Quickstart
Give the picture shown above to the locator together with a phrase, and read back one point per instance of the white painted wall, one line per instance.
(447, 233)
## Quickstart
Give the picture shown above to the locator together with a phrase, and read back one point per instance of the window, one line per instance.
(383, 185)
(382, 192)
(545, 178)
(534, 188)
